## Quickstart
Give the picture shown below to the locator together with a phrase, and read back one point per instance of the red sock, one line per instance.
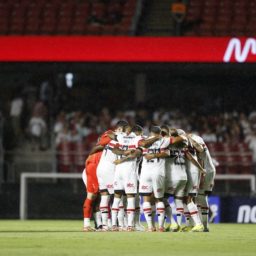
(87, 208)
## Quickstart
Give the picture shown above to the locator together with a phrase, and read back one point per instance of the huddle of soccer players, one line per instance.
(168, 163)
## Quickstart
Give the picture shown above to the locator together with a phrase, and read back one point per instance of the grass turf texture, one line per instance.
(66, 238)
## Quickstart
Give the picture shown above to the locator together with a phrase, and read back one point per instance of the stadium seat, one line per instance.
(229, 17)
(65, 157)
(81, 152)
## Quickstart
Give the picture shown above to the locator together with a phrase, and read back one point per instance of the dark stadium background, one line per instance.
(198, 90)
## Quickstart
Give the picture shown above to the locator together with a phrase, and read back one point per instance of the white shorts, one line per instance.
(105, 175)
(176, 180)
(126, 178)
(193, 174)
(152, 180)
(207, 182)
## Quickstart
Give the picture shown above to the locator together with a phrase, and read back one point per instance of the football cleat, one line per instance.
(115, 228)
(206, 230)
(175, 227)
(186, 229)
(151, 229)
(105, 228)
(139, 227)
(130, 229)
(197, 228)
(161, 229)
(88, 229)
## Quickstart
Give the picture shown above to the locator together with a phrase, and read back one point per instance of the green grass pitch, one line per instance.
(66, 238)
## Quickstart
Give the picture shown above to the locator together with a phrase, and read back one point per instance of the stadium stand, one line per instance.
(68, 17)
(220, 18)
(231, 152)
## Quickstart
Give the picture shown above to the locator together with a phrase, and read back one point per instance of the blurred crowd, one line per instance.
(223, 127)
(231, 127)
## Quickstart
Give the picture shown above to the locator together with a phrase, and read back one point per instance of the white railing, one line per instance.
(25, 176)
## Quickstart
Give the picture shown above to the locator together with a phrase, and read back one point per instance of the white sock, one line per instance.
(160, 213)
(130, 211)
(194, 213)
(187, 215)
(148, 213)
(179, 210)
(120, 215)
(203, 199)
(198, 205)
(115, 210)
(87, 222)
(104, 209)
(97, 217)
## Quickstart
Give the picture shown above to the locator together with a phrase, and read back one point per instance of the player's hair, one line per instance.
(122, 124)
(155, 129)
(166, 130)
(173, 132)
(137, 128)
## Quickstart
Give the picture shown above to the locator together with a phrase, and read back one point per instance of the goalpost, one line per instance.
(25, 176)
(35, 175)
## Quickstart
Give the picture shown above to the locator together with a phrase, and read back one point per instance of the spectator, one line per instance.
(37, 132)
(15, 114)
(63, 135)
(251, 140)
(209, 135)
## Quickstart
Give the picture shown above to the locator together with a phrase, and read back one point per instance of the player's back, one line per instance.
(157, 147)
(205, 155)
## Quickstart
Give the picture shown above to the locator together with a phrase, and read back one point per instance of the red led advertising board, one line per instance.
(127, 49)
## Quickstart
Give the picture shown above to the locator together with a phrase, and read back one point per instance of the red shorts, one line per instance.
(92, 180)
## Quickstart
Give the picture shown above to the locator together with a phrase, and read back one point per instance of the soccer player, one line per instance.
(135, 143)
(138, 130)
(207, 181)
(106, 172)
(176, 180)
(125, 180)
(194, 172)
(92, 186)
(152, 179)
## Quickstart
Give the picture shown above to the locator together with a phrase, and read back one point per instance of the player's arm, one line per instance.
(199, 159)
(150, 156)
(199, 148)
(96, 149)
(119, 151)
(136, 153)
(145, 143)
(195, 162)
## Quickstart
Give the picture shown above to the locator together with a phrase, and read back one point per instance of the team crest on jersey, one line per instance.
(130, 185)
